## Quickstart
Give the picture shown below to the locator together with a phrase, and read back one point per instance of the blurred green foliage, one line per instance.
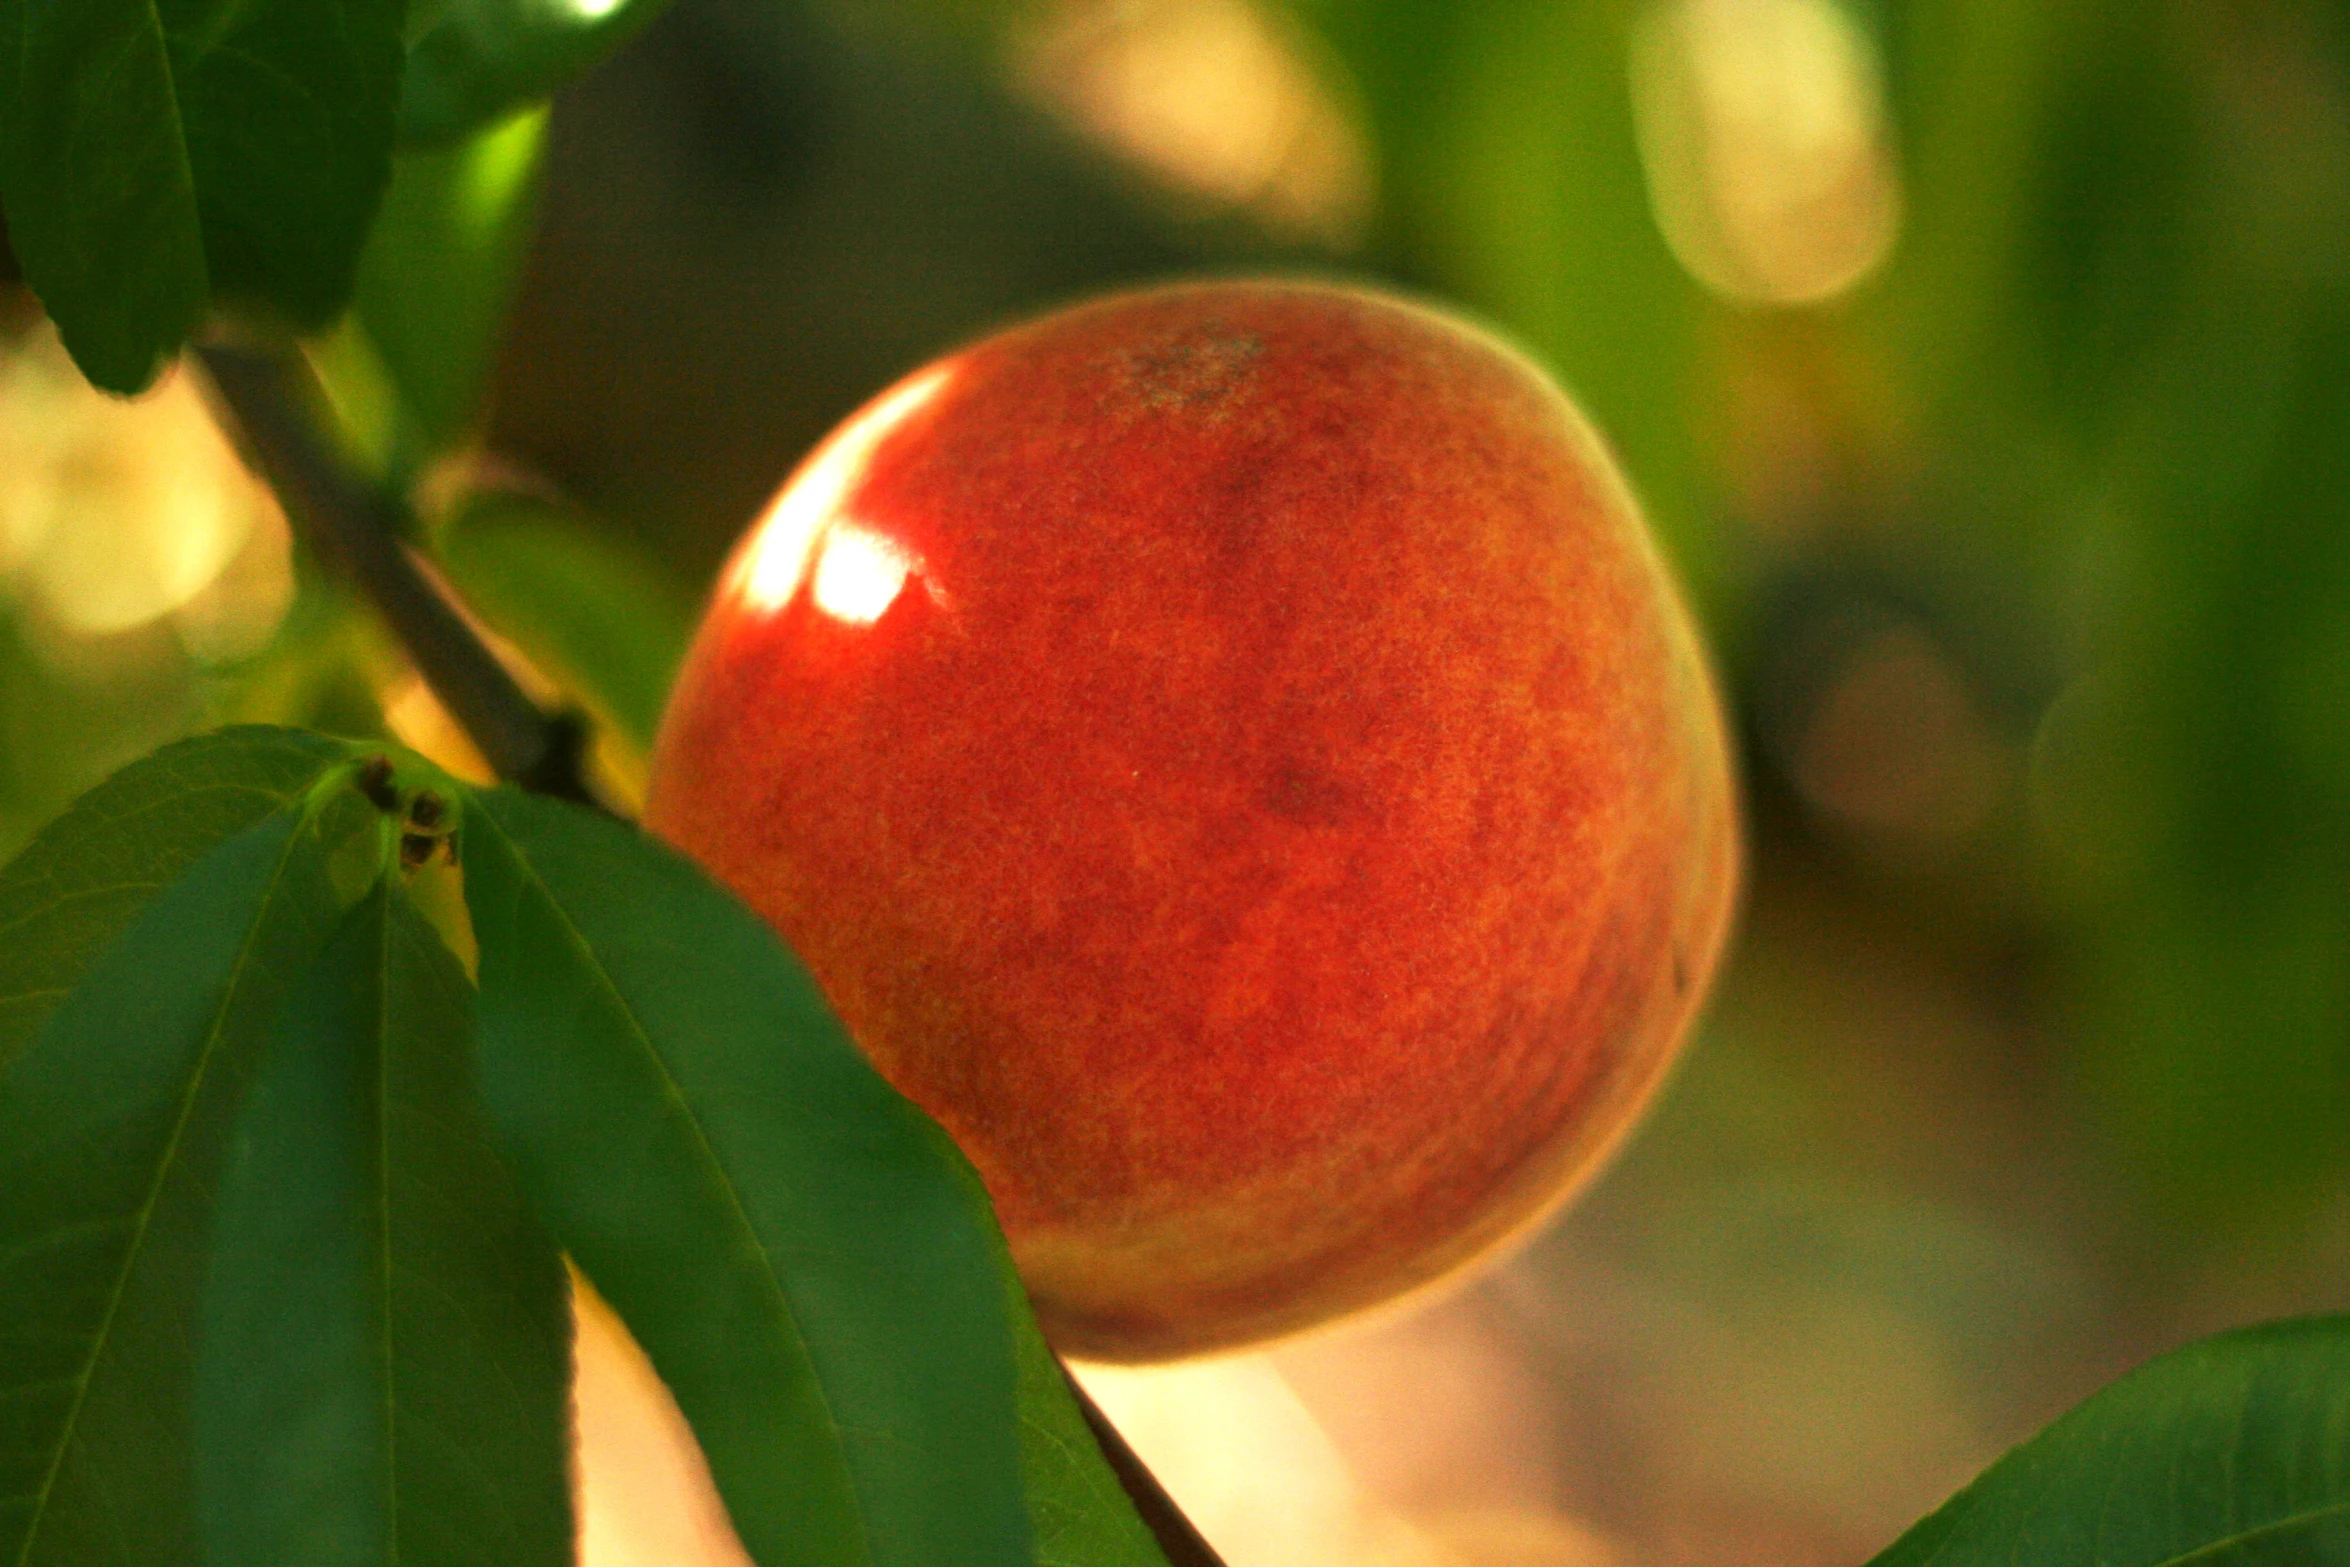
(2102, 387)
(2024, 548)
(2027, 555)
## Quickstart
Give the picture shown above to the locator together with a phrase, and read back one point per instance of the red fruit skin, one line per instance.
(1279, 822)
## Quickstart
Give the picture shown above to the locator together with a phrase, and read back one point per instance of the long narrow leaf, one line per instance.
(113, 1125)
(480, 59)
(88, 874)
(477, 1313)
(158, 154)
(439, 272)
(2231, 1452)
(382, 1364)
(1080, 1515)
(805, 1257)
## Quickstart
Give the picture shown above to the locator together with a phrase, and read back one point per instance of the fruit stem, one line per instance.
(266, 399)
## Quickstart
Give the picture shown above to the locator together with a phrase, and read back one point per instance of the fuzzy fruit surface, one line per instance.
(1230, 753)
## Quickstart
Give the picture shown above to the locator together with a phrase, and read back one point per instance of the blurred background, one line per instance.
(1985, 368)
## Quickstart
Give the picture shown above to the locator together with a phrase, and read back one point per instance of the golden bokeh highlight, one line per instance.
(118, 514)
(645, 1497)
(1763, 130)
(1414, 1441)
(1217, 98)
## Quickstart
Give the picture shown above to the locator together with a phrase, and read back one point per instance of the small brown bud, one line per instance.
(375, 782)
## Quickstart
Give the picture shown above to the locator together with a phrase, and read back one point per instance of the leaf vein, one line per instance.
(146, 1211)
(673, 1093)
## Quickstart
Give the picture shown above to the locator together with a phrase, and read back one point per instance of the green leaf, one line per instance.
(439, 272)
(89, 874)
(2231, 1452)
(594, 613)
(383, 1366)
(806, 1259)
(1078, 1511)
(482, 59)
(103, 218)
(114, 1122)
(156, 155)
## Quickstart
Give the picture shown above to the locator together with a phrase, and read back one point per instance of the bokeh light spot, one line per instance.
(116, 514)
(1763, 131)
(1216, 98)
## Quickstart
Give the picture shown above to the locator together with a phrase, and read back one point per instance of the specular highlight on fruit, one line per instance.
(1231, 753)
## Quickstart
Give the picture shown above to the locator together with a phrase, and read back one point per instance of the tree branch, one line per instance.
(1178, 1537)
(270, 400)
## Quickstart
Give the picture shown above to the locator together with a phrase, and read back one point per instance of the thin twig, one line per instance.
(270, 404)
(1178, 1538)
(270, 401)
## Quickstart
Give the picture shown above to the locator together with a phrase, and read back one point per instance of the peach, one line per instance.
(1229, 752)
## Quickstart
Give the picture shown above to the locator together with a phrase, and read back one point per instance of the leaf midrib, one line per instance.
(383, 1197)
(179, 131)
(2274, 1526)
(279, 800)
(163, 1169)
(675, 1094)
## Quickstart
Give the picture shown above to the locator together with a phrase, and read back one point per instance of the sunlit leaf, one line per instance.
(805, 1257)
(481, 59)
(114, 1121)
(157, 155)
(2232, 1452)
(440, 267)
(382, 1372)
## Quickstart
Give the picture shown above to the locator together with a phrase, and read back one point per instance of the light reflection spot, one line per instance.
(859, 574)
(772, 564)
